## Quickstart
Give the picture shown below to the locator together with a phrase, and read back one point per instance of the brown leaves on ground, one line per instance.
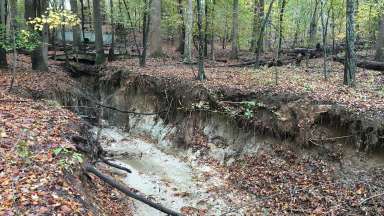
(33, 180)
(284, 183)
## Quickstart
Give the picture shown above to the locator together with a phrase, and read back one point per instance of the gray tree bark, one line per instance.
(3, 15)
(350, 55)
(235, 30)
(155, 30)
(379, 56)
(188, 32)
(100, 57)
(201, 74)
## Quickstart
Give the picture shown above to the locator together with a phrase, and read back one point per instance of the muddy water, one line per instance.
(171, 180)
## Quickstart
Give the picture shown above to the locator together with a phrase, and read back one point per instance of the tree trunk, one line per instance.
(63, 39)
(39, 56)
(224, 42)
(313, 26)
(188, 32)
(111, 53)
(146, 23)
(213, 31)
(82, 19)
(379, 56)
(180, 46)
(261, 34)
(206, 30)
(255, 27)
(155, 30)
(90, 14)
(333, 29)
(13, 26)
(261, 18)
(350, 56)
(324, 26)
(281, 17)
(100, 57)
(201, 74)
(3, 15)
(235, 30)
(75, 29)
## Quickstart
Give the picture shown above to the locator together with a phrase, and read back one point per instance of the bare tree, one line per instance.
(235, 30)
(201, 75)
(350, 56)
(188, 32)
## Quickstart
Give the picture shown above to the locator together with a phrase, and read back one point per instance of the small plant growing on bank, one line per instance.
(248, 109)
(22, 149)
(68, 157)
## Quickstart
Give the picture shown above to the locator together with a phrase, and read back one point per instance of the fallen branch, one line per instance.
(372, 197)
(332, 138)
(126, 191)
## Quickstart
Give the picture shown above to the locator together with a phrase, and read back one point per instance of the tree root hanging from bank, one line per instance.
(109, 180)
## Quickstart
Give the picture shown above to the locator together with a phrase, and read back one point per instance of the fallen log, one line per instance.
(109, 180)
(263, 62)
(371, 65)
(109, 163)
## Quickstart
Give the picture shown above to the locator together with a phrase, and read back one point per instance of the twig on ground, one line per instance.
(372, 197)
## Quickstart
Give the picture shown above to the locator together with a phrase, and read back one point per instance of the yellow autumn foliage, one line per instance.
(54, 18)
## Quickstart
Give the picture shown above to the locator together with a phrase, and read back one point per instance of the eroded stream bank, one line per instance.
(194, 149)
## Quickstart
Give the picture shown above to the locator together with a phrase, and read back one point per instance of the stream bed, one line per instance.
(175, 179)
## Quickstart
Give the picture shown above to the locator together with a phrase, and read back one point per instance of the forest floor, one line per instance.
(34, 180)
